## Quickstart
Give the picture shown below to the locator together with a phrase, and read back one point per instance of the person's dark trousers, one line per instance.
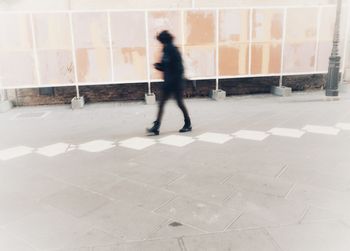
(178, 95)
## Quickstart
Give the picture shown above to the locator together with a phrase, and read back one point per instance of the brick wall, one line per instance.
(136, 92)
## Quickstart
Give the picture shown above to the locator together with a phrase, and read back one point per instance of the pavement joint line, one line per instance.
(164, 204)
(290, 191)
(181, 243)
(225, 180)
(181, 176)
(18, 237)
(306, 211)
(233, 222)
(271, 238)
(282, 171)
(143, 183)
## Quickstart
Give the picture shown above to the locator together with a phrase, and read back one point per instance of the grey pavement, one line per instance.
(258, 172)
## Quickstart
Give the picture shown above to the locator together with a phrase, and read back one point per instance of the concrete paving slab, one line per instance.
(249, 240)
(75, 201)
(205, 216)
(47, 228)
(115, 218)
(139, 194)
(312, 237)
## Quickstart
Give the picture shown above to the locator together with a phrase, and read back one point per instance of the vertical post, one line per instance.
(217, 50)
(2, 95)
(319, 15)
(250, 41)
(346, 47)
(148, 53)
(77, 102)
(5, 104)
(110, 44)
(35, 50)
(334, 59)
(284, 28)
(150, 98)
(193, 4)
(74, 55)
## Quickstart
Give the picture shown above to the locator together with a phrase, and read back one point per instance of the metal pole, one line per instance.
(74, 55)
(334, 60)
(148, 53)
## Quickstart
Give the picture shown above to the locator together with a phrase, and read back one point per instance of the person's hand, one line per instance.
(158, 66)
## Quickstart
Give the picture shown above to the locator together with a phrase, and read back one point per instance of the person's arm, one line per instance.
(165, 61)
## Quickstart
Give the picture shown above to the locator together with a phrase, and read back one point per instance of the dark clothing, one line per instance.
(172, 67)
(178, 95)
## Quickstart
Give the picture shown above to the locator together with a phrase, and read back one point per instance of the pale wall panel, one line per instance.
(200, 27)
(200, 62)
(233, 59)
(301, 25)
(200, 37)
(17, 69)
(91, 38)
(129, 46)
(52, 31)
(93, 65)
(233, 26)
(266, 58)
(15, 32)
(56, 67)
(34, 5)
(267, 25)
(129, 4)
(90, 30)
(157, 22)
(240, 3)
(299, 57)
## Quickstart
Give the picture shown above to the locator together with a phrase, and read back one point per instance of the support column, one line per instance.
(217, 94)
(5, 104)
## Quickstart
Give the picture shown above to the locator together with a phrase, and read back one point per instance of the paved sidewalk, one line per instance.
(257, 173)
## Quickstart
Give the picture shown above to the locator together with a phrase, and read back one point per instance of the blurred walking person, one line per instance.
(173, 73)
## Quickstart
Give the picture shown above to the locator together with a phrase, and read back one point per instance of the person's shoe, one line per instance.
(187, 127)
(155, 128)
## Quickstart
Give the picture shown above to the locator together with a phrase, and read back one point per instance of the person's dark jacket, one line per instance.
(171, 65)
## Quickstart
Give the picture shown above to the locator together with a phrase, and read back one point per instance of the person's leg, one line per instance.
(164, 98)
(156, 124)
(180, 102)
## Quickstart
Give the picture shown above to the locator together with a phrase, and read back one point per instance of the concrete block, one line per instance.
(281, 90)
(78, 103)
(150, 98)
(5, 105)
(218, 95)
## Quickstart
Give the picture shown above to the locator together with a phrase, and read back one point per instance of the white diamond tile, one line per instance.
(251, 135)
(343, 126)
(176, 140)
(137, 143)
(217, 138)
(15, 152)
(96, 146)
(328, 130)
(54, 150)
(287, 132)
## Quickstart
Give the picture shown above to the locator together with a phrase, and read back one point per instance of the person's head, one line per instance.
(165, 37)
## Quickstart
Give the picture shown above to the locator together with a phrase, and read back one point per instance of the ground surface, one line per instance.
(257, 173)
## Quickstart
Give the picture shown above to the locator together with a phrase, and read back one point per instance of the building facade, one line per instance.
(105, 48)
